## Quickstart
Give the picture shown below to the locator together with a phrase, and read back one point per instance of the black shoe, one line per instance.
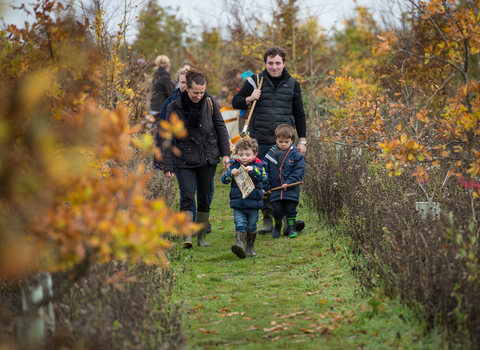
(277, 229)
(299, 225)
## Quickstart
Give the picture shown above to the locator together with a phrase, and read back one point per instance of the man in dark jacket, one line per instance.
(279, 102)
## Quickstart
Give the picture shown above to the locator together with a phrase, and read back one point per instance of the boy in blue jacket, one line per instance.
(245, 211)
(285, 165)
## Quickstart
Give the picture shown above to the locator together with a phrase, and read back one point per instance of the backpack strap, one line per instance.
(210, 104)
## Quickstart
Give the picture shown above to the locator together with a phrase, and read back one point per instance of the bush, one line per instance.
(430, 264)
(119, 305)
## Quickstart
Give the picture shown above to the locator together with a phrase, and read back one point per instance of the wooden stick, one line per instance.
(289, 185)
(254, 104)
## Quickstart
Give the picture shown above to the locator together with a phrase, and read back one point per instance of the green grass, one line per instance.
(296, 294)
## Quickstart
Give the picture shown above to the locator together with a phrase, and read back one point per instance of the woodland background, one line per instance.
(393, 112)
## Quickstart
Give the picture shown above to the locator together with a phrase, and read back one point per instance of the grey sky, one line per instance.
(210, 13)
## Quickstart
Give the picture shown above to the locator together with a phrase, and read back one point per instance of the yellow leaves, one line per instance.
(35, 88)
(144, 142)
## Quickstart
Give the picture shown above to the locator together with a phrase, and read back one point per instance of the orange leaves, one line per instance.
(385, 42)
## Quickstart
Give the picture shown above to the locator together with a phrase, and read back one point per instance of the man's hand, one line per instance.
(249, 168)
(170, 174)
(226, 159)
(284, 186)
(302, 148)
(235, 172)
(254, 96)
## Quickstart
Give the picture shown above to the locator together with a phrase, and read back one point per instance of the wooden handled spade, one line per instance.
(243, 134)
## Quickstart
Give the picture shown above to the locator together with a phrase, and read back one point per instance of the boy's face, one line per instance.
(246, 155)
(283, 142)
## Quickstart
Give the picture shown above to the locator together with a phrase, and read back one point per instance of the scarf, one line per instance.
(192, 110)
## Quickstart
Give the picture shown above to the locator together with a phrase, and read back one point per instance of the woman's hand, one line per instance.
(226, 159)
(170, 174)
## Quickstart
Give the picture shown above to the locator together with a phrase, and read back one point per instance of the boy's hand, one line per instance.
(235, 172)
(284, 186)
(249, 168)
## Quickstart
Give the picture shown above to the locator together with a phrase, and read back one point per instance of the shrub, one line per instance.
(430, 264)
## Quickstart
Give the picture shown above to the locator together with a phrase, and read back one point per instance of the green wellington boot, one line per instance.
(291, 227)
(277, 229)
(202, 218)
(251, 236)
(187, 240)
(239, 248)
(299, 226)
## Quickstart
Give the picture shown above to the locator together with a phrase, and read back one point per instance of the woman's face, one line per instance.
(196, 92)
(182, 83)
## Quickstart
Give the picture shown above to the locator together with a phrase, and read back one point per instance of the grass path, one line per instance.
(296, 294)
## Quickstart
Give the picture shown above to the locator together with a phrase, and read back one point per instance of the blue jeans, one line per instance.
(245, 219)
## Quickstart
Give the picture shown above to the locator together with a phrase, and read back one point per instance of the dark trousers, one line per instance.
(284, 207)
(263, 150)
(202, 177)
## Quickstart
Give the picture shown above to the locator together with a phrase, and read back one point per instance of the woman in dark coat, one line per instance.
(162, 87)
(207, 140)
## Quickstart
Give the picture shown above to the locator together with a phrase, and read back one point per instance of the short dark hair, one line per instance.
(285, 130)
(246, 143)
(195, 76)
(274, 51)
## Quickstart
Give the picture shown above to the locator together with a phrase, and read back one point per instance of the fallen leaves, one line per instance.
(252, 328)
(294, 314)
(313, 293)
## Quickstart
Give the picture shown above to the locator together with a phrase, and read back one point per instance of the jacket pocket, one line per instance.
(191, 153)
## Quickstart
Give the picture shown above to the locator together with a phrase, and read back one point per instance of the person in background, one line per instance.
(284, 165)
(245, 210)
(279, 102)
(207, 140)
(162, 86)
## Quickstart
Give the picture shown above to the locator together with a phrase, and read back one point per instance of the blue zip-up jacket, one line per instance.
(258, 175)
(291, 170)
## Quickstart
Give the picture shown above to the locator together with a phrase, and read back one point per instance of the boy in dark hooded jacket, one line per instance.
(245, 210)
(284, 165)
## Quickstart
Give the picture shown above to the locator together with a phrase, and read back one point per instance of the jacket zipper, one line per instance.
(280, 174)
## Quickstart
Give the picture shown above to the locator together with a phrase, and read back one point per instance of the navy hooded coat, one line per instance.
(290, 170)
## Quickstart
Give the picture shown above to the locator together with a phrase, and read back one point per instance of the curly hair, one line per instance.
(274, 51)
(195, 76)
(246, 143)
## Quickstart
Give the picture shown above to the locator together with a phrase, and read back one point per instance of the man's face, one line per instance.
(246, 155)
(283, 142)
(274, 66)
(195, 93)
